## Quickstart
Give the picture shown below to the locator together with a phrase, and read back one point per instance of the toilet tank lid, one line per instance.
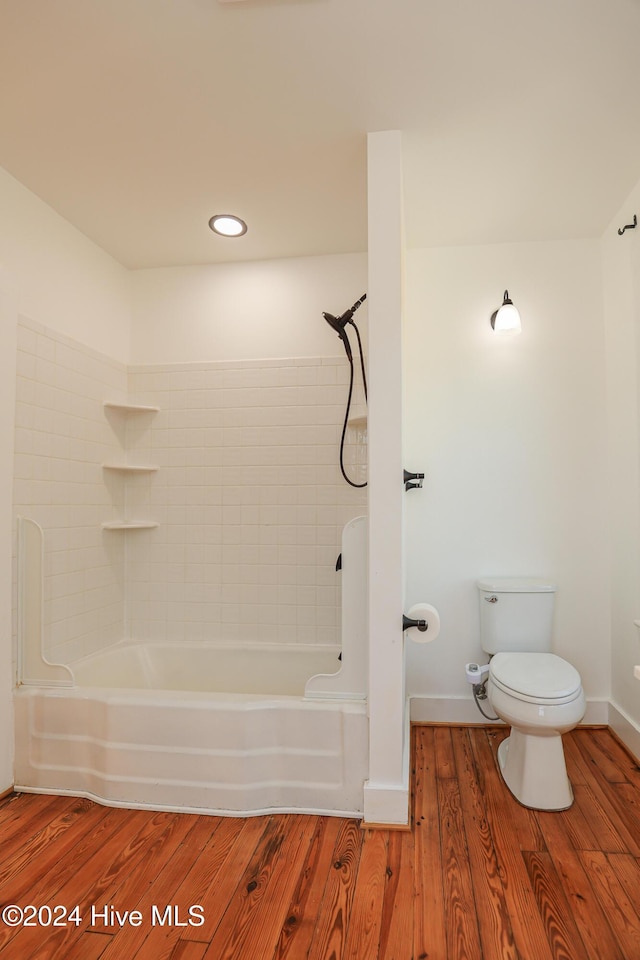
(516, 585)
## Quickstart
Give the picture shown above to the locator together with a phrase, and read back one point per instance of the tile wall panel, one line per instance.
(249, 499)
(248, 495)
(61, 439)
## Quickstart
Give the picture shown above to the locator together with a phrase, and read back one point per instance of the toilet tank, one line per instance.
(516, 614)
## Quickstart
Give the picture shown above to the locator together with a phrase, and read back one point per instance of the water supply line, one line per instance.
(339, 325)
(477, 676)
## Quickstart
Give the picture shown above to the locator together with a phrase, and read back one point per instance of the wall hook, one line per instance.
(628, 226)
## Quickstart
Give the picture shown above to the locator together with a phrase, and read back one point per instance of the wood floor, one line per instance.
(477, 878)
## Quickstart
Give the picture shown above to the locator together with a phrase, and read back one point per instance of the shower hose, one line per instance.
(351, 483)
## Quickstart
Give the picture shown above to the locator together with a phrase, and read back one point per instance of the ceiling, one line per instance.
(138, 119)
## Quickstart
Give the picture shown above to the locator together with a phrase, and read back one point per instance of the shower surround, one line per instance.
(232, 582)
(247, 496)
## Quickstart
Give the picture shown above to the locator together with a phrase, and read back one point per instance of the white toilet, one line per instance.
(537, 693)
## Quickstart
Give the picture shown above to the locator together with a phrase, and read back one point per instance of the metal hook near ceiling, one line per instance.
(628, 226)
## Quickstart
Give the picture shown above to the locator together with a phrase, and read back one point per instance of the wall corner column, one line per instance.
(8, 328)
(386, 794)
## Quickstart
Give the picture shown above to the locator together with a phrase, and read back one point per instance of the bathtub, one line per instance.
(160, 726)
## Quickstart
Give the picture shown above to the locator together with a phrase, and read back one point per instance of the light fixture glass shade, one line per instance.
(506, 319)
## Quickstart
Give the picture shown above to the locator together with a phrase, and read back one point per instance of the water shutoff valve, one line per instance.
(476, 672)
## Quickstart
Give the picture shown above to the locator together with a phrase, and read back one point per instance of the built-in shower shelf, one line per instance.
(130, 407)
(131, 467)
(129, 525)
(128, 470)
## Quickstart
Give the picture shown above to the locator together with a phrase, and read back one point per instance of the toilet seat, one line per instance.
(542, 678)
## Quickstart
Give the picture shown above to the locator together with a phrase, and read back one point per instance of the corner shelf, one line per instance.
(129, 407)
(131, 467)
(129, 525)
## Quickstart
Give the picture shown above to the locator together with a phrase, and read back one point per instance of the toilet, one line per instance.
(536, 692)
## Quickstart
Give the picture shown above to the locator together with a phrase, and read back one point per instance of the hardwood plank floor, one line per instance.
(477, 878)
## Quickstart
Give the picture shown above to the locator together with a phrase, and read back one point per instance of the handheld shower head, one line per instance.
(339, 323)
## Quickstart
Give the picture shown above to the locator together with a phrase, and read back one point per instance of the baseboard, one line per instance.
(626, 730)
(451, 710)
(463, 710)
(401, 827)
(387, 805)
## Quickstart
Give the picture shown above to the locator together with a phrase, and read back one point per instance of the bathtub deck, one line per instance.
(477, 878)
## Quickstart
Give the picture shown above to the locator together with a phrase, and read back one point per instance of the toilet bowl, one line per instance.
(540, 695)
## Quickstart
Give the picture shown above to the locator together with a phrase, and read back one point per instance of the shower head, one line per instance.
(339, 323)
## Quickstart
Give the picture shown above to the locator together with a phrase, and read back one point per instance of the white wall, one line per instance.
(621, 282)
(235, 355)
(62, 279)
(244, 311)
(249, 498)
(8, 322)
(54, 275)
(512, 436)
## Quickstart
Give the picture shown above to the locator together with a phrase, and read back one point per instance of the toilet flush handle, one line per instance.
(492, 599)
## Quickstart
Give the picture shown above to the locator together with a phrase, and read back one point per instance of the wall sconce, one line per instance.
(506, 318)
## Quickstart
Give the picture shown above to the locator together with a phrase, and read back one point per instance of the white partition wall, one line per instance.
(8, 320)
(621, 283)
(386, 794)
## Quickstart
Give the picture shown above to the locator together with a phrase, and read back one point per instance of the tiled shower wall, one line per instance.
(61, 440)
(248, 495)
(249, 499)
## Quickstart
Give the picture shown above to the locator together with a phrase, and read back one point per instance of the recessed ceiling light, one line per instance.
(227, 225)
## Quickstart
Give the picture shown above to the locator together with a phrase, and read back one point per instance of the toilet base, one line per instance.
(534, 770)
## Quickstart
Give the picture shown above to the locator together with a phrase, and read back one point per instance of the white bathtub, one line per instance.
(159, 726)
(267, 668)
